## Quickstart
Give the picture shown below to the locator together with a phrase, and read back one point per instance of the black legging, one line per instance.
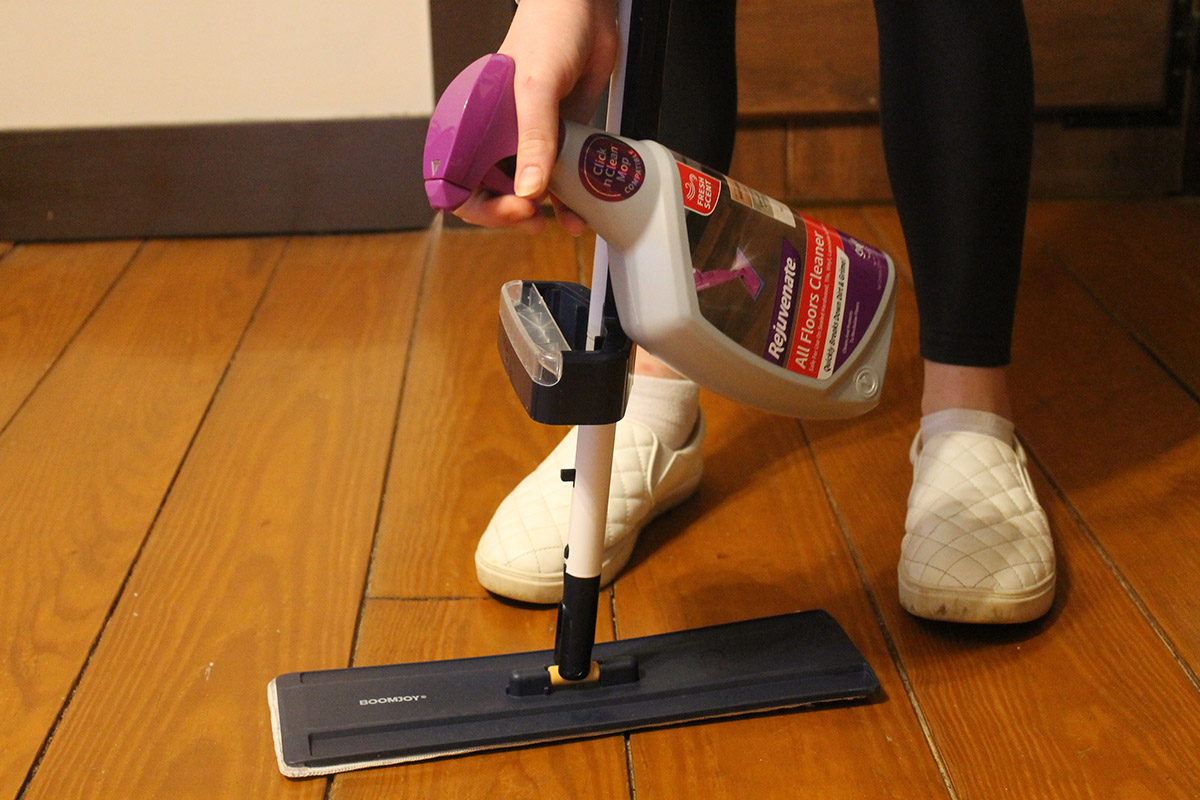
(956, 104)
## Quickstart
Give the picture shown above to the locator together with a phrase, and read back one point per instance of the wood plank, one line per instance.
(1067, 35)
(1119, 437)
(821, 57)
(1190, 183)
(760, 154)
(463, 440)
(760, 538)
(256, 564)
(445, 482)
(46, 293)
(1139, 260)
(86, 463)
(836, 163)
(1052, 708)
(424, 630)
(1139, 161)
(805, 163)
(816, 58)
(844, 162)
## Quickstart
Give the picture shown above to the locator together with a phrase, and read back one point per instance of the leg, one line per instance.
(950, 386)
(957, 108)
(957, 103)
(657, 459)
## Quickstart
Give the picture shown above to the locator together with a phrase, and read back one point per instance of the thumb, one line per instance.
(537, 136)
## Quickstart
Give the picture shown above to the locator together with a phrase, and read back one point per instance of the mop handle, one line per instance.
(576, 633)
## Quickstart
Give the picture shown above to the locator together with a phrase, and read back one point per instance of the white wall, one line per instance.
(95, 63)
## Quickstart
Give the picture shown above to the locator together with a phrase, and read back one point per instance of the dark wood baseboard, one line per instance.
(236, 179)
(200, 180)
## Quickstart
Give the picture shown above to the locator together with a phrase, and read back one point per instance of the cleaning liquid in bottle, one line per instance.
(726, 285)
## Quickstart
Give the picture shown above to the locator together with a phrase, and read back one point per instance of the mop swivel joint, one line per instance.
(542, 681)
(557, 680)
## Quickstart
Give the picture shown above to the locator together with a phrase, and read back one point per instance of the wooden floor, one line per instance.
(224, 460)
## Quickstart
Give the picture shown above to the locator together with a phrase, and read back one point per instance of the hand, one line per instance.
(564, 51)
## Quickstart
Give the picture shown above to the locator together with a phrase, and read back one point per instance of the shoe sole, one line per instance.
(533, 587)
(976, 606)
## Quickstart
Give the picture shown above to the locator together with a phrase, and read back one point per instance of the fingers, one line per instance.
(502, 211)
(509, 211)
(571, 222)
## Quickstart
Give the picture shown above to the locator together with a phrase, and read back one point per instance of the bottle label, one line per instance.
(760, 202)
(610, 169)
(787, 288)
(825, 301)
(700, 192)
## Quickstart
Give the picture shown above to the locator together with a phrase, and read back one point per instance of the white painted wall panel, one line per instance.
(89, 63)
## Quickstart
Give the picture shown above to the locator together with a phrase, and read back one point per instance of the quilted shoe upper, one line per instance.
(529, 529)
(973, 520)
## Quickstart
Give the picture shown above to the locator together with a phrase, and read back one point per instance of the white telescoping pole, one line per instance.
(593, 454)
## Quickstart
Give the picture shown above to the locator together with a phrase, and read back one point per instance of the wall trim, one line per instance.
(207, 180)
(346, 175)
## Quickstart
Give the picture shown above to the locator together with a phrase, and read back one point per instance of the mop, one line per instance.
(742, 270)
(567, 355)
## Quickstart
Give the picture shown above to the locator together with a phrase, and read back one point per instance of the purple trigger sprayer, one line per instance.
(472, 129)
(726, 285)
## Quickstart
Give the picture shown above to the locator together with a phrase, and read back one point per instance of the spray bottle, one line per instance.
(726, 285)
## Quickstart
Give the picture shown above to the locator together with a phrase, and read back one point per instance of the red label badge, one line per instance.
(822, 296)
(700, 191)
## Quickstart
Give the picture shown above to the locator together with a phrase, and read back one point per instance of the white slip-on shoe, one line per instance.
(977, 544)
(520, 554)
